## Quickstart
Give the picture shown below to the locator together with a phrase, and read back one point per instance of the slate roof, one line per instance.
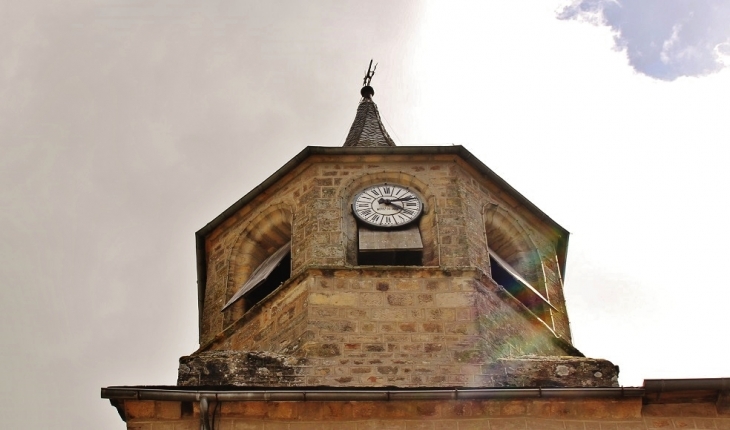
(367, 130)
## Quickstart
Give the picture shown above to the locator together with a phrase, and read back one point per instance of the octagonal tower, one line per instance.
(297, 288)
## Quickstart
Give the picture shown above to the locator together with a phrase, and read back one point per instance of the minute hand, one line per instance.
(402, 199)
(390, 202)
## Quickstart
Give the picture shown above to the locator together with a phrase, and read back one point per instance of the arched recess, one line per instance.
(426, 223)
(515, 262)
(264, 235)
(511, 242)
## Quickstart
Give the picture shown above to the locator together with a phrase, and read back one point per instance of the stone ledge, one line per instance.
(266, 369)
(239, 368)
(535, 371)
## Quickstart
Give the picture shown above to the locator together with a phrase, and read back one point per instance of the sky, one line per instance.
(127, 125)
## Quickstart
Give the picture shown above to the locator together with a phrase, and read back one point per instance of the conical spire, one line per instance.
(367, 129)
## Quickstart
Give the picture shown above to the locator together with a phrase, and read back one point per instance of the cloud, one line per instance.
(664, 39)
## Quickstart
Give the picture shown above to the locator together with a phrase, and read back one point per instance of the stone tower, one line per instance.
(376, 265)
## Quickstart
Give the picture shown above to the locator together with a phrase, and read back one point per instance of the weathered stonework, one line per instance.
(314, 202)
(534, 371)
(264, 369)
(433, 325)
(239, 368)
(405, 327)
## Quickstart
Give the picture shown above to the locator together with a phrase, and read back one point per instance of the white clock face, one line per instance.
(387, 205)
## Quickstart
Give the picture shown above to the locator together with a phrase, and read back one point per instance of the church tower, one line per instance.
(373, 265)
(372, 286)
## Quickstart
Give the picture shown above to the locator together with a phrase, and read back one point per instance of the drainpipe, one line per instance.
(204, 424)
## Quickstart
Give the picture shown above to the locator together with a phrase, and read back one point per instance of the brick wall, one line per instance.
(596, 414)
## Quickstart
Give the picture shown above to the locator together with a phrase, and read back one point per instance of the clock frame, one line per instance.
(387, 205)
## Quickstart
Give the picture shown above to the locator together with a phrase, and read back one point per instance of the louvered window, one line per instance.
(271, 273)
(390, 247)
(506, 276)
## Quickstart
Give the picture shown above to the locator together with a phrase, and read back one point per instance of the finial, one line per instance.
(367, 91)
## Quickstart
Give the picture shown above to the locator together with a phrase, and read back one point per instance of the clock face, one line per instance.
(387, 205)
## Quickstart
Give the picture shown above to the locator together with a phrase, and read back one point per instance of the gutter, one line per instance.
(392, 394)
(117, 395)
(667, 385)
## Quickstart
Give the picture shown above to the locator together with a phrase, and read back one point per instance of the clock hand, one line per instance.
(403, 199)
(390, 202)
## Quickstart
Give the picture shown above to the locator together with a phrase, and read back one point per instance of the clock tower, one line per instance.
(372, 286)
(372, 265)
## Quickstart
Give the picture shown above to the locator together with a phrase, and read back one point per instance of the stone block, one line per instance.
(371, 299)
(705, 423)
(425, 299)
(136, 409)
(334, 299)
(323, 349)
(480, 424)
(535, 371)
(440, 314)
(381, 425)
(390, 314)
(420, 425)
(400, 300)
(239, 368)
(723, 403)
(318, 425)
(507, 424)
(680, 410)
(722, 423)
(407, 285)
(409, 327)
(335, 326)
(431, 327)
(363, 338)
(374, 347)
(683, 423)
(168, 410)
(399, 338)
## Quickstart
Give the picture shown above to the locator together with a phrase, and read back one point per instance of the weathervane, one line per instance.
(367, 91)
(369, 75)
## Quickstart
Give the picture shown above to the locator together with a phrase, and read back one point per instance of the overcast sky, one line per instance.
(126, 126)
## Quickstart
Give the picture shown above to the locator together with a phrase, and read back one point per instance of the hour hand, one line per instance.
(390, 202)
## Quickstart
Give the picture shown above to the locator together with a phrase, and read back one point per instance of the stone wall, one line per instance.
(312, 204)
(407, 327)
